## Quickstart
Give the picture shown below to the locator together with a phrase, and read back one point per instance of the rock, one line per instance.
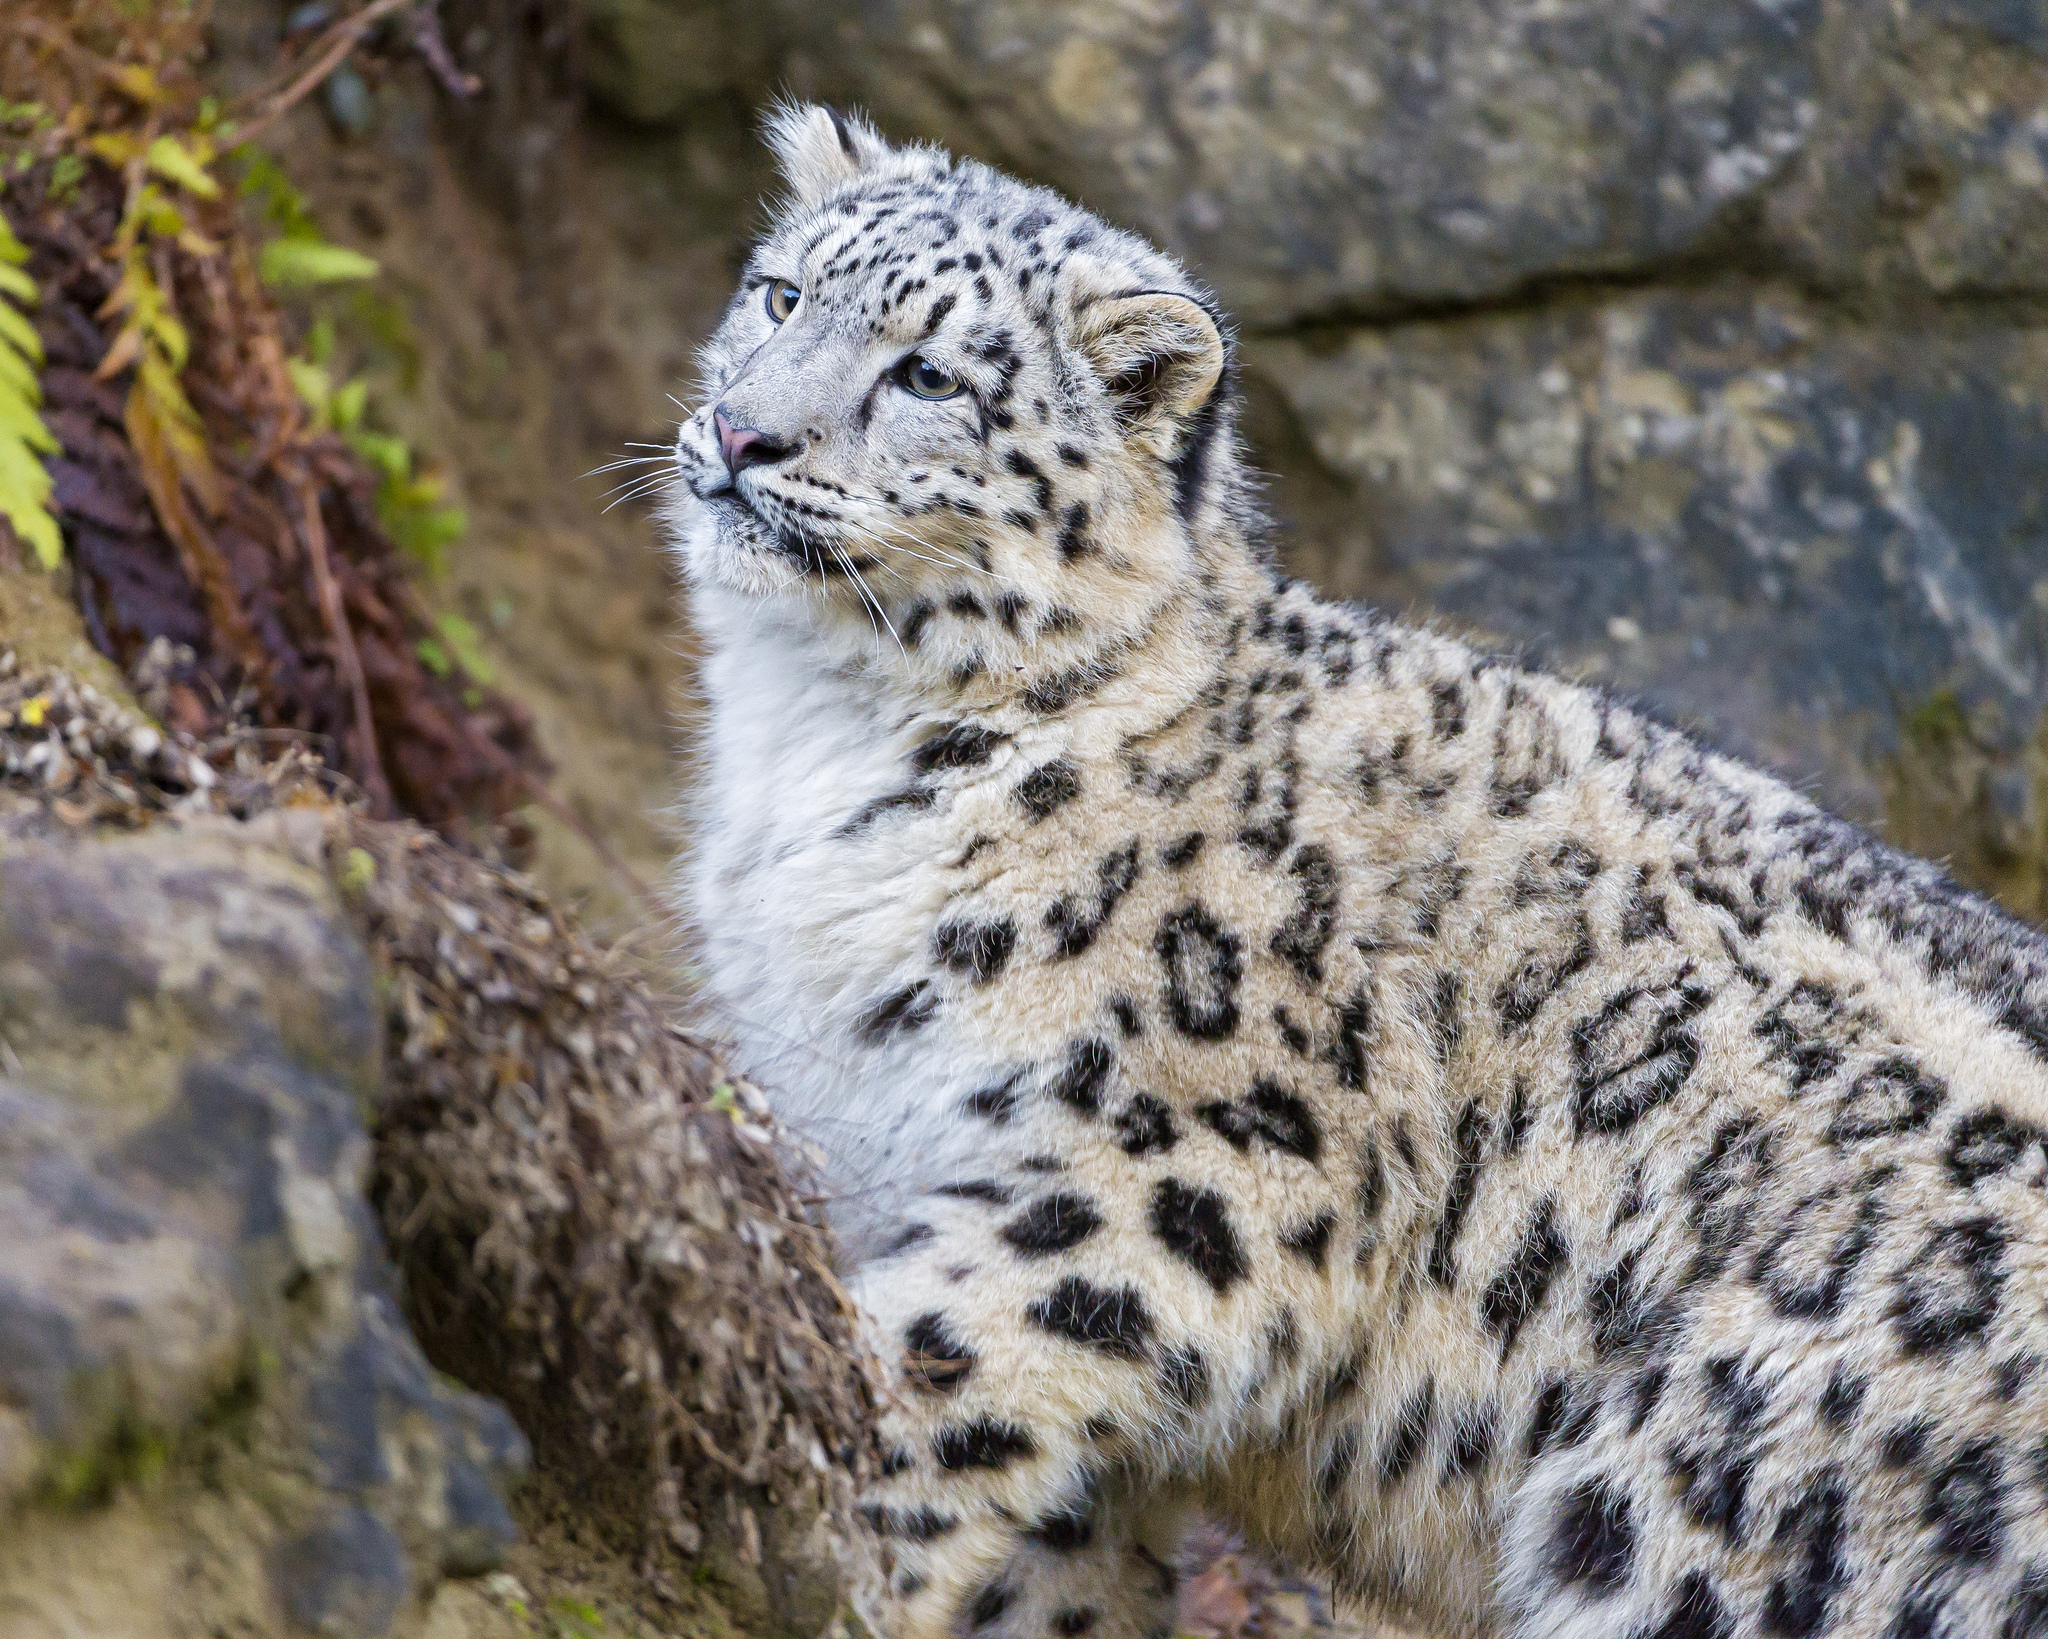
(135, 950)
(1318, 158)
(200, 1347)
(1312, 158)
(651, 60)
(116, 1326)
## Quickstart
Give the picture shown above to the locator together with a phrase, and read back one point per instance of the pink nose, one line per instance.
(744, 446)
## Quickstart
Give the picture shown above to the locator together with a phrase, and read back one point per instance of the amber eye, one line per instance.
(782, 299)
(927, 380)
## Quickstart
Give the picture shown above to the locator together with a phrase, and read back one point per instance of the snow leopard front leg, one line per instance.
(1055, 1382)
(1111, 1575)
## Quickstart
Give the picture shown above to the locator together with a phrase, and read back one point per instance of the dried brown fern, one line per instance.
(201, 504)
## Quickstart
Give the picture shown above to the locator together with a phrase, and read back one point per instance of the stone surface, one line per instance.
(200, 1349)
(651, 61)
(1770, 520)
(1322, 157)
(1926, 168)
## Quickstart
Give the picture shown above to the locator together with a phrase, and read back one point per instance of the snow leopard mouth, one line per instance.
(750, 527)
(754, 519)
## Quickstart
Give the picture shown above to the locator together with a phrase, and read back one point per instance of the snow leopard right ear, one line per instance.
(820, 149)
(1159, 353)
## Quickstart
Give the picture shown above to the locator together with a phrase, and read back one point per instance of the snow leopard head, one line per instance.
(955, 407)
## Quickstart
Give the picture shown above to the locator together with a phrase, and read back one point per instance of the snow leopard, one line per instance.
(1276, 1060)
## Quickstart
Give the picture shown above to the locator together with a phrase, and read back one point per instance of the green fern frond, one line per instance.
(24, 440)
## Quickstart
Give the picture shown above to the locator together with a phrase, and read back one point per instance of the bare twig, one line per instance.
(329, 52)
(36, 29)
(328, 590)
(432, 46)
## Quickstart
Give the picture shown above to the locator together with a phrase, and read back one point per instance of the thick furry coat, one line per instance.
(1552, 1177)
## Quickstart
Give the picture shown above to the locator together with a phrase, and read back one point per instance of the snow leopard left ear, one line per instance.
(1159, 355)
(820, 149)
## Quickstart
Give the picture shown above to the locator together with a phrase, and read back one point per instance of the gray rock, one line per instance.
(115, 1324)
(1318, 158)
(1927, 165)
(189, 1026)
(652, 60)
(1769, 520)
(134, 950)
(347, 1575)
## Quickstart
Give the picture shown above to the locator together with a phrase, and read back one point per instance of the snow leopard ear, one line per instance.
(820, 149)
(1159, 354)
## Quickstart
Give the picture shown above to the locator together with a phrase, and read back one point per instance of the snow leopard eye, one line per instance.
(927, 380)
(782, 299)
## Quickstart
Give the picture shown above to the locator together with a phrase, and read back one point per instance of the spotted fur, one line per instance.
(1550, 1176)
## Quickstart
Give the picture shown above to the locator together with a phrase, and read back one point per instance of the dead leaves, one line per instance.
(204, 509)
(590, 1208)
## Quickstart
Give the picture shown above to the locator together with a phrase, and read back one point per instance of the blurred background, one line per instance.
(1700, 348)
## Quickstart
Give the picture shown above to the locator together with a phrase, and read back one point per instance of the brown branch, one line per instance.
(48, 34)
(329, 53)
(328, 591)
(429, 42)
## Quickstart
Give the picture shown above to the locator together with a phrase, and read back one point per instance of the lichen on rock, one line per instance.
(200, 1332)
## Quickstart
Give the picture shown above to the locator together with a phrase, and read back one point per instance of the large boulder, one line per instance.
(1761, 513)
(1325, 157)
(211, 1408)
(1321, 158)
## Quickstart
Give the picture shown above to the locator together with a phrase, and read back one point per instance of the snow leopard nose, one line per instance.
(745, 446)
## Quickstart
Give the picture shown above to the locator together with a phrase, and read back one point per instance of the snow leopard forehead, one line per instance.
(938, 386)
(916, 240)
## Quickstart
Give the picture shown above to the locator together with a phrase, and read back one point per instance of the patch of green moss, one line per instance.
(1955, 795)
(132, 1454)
(1937, 720)
(575, 1618)
(128, 1455)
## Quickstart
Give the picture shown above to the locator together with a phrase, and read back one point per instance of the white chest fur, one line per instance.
(804, 928)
